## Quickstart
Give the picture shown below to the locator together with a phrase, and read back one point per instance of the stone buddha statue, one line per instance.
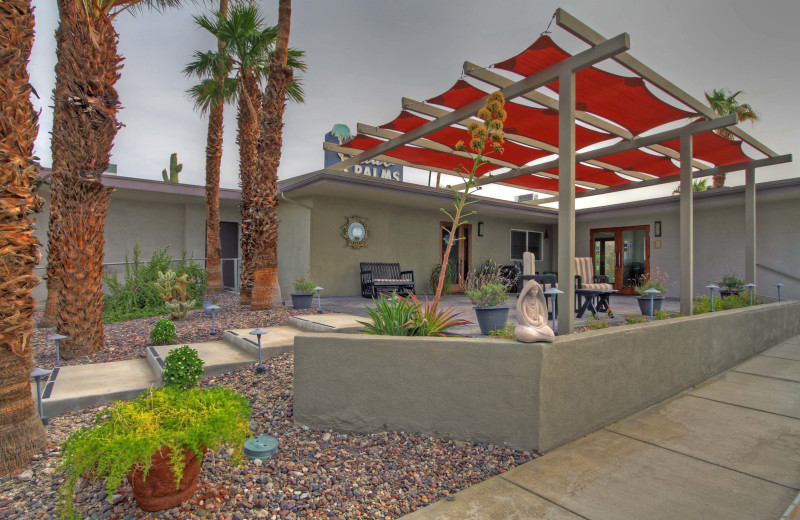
(532, 314)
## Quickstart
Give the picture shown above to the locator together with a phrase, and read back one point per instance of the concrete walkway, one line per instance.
(726, 449)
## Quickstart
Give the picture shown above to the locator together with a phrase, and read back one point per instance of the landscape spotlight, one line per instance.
(260, 368)
(211, 310)
(652, 292)
(57, 338)
(553, 293)
(319, 304)
(778, 285)
(751, 287)
(711, 288)
(37, 375)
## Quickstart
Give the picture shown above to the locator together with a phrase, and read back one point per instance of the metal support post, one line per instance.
(750, 225)
(566, 202)
(687, 227)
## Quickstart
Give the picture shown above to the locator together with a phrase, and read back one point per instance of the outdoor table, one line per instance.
(596, 300)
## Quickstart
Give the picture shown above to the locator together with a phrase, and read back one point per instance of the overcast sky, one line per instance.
(364, 55)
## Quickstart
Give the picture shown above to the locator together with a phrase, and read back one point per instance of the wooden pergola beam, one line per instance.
(574, 26)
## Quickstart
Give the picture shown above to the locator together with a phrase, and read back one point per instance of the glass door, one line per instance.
(460, 260)
(622, 254)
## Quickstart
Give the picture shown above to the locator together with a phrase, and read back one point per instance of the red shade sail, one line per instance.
(516, 154)
(639, 161)
(713, 148)
(598, 175)
(536, 182)
(624, 100)
(535, 123)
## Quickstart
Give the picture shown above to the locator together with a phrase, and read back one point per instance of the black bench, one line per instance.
(385, 278)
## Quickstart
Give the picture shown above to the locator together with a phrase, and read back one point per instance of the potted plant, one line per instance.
(487, 289)
(732, 285)
(302, 297)
(657, 279)
(158, 441)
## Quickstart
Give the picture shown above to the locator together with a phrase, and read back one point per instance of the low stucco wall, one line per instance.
(535, 396)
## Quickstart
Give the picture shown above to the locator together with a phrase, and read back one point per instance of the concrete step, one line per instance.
(327, 323)
(276, 342)
(219, 357)
(80, 386)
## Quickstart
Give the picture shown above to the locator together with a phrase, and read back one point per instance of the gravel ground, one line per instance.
(315, 474)
(128, 339)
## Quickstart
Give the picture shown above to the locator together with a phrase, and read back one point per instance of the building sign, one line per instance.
(371, 168)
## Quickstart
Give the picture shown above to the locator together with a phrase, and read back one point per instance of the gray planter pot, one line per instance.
(491, 318)
(302, 301)
(644, 304)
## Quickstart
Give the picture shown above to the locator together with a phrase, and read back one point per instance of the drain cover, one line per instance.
(260, 447)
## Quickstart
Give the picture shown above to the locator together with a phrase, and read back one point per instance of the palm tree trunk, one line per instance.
(21, 431)
(84, 128)
(718, 180)
(264, 214)
(213, 162)
(249, 106)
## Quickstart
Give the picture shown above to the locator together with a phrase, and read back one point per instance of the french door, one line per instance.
(460, 260)
(622, 254)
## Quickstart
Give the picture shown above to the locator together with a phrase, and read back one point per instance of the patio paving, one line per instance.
(726, 449)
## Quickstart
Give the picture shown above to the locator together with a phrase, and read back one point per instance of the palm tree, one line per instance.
(263, 204)
(724, 102)
(244, 62)
(21, 431)
(84, 127)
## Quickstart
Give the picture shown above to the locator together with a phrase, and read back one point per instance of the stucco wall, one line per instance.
(529, 396)
(409, 236)
(718, 243)
(294, 246)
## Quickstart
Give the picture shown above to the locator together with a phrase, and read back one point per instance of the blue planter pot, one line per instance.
(302, 301)
(491, 318)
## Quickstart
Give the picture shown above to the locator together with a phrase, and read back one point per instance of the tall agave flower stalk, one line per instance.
(484, 139)
(21, 431)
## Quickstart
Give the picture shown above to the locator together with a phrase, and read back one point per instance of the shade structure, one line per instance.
(714, 148)
(512, 152)
(536, 123)
(637, 160)
(623, 100)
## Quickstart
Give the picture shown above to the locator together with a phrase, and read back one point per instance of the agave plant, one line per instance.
(398, 316)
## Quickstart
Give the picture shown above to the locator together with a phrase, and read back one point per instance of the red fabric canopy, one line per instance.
(639, 161)
(542, 183)
(624, 100)
(514, 153)
(713, 148)
(535, 123)
(598, 175)
(421, 157)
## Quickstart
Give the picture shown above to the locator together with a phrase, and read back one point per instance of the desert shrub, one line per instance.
(183, 368)
(507, 332)
(488, 295)
(303, 286)
(136, 296)
(163, 333)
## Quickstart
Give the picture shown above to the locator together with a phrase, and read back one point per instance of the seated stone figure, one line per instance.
(532, 315)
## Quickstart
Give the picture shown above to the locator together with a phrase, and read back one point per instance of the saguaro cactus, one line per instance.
(174, 169)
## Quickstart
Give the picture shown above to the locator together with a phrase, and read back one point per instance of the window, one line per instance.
(522, 241)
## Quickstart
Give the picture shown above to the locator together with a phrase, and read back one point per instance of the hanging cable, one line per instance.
(547, 30)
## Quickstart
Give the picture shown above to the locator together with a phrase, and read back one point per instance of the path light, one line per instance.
(319, 303)
(750, 287)
(778, 285)
(553, 293)
(652, 292)
(212, 309)
(260, 369)
(711, 288)
(37, 375)
(57, 338)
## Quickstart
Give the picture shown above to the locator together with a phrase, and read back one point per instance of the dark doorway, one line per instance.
(229, 240)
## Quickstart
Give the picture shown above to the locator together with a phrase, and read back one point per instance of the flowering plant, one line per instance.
(485, 137)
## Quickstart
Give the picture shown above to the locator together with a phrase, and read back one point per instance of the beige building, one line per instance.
(404, 224)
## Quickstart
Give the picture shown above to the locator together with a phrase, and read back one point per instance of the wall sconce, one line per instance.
(480, 229)
(657, 228)
(546, 235)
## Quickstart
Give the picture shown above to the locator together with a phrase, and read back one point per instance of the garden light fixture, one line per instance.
(260, 368)
(750, 287)
(652, 292)
(57, 338)
(319, 303)
(553, 292)
(212, 309)
(37, 375)
(711, 288)
(778, 285)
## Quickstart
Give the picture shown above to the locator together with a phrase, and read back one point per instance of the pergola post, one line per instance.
(687, 227)
(566, 202)
(750, 225)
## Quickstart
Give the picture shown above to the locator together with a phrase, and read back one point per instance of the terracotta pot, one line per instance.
(158, 492)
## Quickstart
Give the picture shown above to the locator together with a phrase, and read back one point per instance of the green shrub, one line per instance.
(702, 303)
(656, 279)
(304, 286)
(137, 296)
(448, 278)
(661, 315)
(507, 332)
(163, 333)
(398, 316)
(596, 322)
(183, 368)
(488, 295)
(128, 434)
(631, 320)
(732, 283)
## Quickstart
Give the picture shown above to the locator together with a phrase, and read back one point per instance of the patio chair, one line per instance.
(584, 271)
